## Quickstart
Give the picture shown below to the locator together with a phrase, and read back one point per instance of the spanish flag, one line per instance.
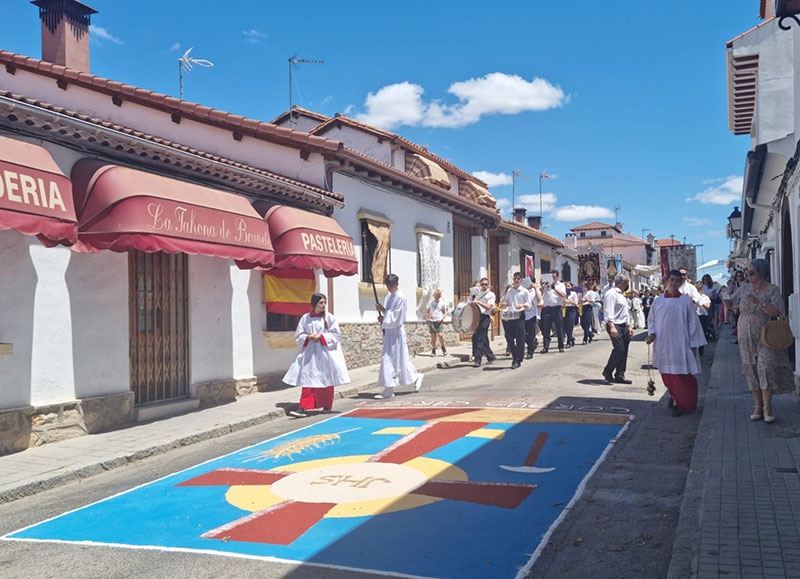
(288, 291)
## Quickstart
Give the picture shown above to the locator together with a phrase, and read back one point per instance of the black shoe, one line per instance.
(608, 377)
(676, 411)
(299, 413)
(444, 351)
(561, 350)
(590, 339)
(622, 380)
(544, 350)
(529, 356)
(490, 360)
(671, 403)
(515, 365)
(476, 364)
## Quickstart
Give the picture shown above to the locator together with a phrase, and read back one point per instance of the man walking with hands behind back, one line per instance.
(618, 324)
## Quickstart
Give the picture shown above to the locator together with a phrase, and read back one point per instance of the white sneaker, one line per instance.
(386, 393)
(418, 382)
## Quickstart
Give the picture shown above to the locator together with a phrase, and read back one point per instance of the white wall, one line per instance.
(406, 213)
(367, 144)
(98, 294)
(17, 291)
(210, 319)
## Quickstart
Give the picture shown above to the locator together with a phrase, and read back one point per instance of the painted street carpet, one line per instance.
(406, 491)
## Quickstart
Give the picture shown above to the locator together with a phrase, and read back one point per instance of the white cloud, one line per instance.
(503, 205)
(394, 105)
(493, 179)
(254, 36)
(327, 100)
(531, 202)
(98, 33)
(696, 221)
(715, 233)
(496, 93)
(581, 213)
(175, 46)
(728, 190)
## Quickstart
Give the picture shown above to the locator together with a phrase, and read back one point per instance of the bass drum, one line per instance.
(466, 316)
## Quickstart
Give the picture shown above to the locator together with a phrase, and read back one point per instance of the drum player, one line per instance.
(553, 295)
(515, 303)
(485, 300)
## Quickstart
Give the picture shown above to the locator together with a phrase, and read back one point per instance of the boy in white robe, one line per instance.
(675, 329)
(320, 365)
(396, 367)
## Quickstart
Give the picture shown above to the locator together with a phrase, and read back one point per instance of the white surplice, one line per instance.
(396, 367)
(318, 365)
(677, 329)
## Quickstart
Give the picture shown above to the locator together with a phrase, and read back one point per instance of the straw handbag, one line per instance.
(776, 334)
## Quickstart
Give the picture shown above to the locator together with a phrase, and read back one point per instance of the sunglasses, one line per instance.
(484, 284)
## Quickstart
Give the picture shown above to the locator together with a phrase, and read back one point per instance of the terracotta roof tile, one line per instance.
(154, 100)
(179, 147)
(523, 229)
(338, 117)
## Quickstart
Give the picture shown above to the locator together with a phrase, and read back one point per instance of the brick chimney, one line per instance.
(519, 214)
(65, 32)
(535, 221)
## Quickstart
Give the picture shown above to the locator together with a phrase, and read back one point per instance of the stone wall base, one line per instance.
(29, 426)
(362, 343)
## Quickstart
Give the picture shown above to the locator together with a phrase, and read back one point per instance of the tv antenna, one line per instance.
(293, 60)
(186, 62)
(516, 174)
(617, 209)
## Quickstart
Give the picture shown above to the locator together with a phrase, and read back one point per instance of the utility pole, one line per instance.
(542, 176)
(515, 174)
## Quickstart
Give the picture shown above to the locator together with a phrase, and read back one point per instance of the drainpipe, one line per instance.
(334, 169)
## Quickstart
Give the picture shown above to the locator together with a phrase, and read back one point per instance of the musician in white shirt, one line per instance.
(532, 315)
(553, 295)
(485, 299)
(515, 303)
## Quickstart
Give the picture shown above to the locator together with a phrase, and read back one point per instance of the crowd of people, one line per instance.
(680, 318)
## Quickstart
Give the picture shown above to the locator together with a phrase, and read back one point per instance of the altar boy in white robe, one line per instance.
(396, 367)
(675, 330)
(319, 365)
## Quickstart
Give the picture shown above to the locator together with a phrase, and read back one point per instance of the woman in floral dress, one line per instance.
(766, 371)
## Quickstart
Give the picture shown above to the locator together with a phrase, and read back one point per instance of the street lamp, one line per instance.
(787, 9)
(734, 223)
(542, 176)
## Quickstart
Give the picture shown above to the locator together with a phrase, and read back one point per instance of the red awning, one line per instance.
(35, 195)
(307, 240)
(122, 209)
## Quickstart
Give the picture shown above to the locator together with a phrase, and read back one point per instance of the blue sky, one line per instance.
(625, 101)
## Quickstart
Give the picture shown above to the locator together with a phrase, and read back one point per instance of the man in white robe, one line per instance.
(396, 367)
(675, 329)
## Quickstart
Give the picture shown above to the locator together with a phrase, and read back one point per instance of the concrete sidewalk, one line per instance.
(44, 467)
(740, 515)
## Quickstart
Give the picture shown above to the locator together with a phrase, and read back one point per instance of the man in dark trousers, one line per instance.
(485, 299)
(618, 324)
(553, 295)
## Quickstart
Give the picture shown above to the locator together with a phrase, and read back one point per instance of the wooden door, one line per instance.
(159, 326)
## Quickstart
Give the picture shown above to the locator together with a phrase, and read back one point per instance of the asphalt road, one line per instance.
(622, 526)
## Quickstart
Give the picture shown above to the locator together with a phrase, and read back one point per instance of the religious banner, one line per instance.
(613, 265)
(683, 256)
(664, 259)
(589, 268)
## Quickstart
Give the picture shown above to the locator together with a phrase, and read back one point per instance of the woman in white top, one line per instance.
(320, 364)
(435, 314)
